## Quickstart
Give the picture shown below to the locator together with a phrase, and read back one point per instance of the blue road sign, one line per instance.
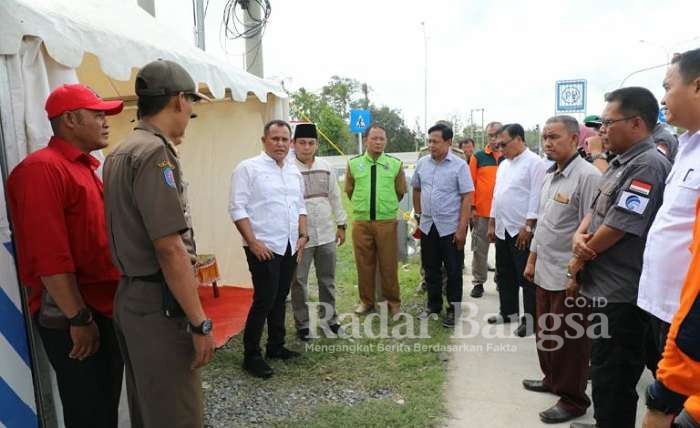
(360, 120)
(571, 96)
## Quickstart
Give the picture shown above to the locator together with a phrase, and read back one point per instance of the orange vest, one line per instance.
(679, 369)
(483, 166)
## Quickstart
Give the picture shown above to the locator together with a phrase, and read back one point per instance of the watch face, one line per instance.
(207, 326)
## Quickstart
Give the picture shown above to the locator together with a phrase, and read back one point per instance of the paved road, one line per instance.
(484, 388)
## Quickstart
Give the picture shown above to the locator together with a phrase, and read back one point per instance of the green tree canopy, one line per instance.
(330, 111)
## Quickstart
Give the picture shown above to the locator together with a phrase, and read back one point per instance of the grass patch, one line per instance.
(364, 387)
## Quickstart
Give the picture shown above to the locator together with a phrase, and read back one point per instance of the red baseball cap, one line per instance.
(76, 96)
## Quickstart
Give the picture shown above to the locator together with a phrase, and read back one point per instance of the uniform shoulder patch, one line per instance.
(633, 202)
(640, 187)
(167, 169)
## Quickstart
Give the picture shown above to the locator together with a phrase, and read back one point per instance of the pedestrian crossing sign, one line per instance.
(360, 120)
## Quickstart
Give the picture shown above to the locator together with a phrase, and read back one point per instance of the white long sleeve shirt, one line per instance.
(516, 196)
(272, 197)
(667, 254)
(323, 204)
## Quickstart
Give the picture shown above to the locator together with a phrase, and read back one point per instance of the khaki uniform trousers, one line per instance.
(480, 248)
(374, 241)
(162, 389)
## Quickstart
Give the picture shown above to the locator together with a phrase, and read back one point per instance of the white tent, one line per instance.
(102, 43)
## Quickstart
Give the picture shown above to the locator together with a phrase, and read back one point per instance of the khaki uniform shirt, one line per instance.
(565, 200)
(145, 199)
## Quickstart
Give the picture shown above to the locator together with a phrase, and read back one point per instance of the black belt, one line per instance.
(154, 277)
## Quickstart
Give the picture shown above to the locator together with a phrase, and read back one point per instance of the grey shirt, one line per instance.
(628, 198)
(441, 186)
(666, 142)
(566, 198)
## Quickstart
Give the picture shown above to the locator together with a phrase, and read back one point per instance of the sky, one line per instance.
(501, 55)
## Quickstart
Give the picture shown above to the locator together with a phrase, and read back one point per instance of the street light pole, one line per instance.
(425, 83)
(471, 113)
(641, 70)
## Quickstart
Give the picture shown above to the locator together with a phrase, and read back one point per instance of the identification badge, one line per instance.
(633, 203)
(562, 199)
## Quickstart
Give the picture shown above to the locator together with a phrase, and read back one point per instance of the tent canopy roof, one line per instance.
(118, 37)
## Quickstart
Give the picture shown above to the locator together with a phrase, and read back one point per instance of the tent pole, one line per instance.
(4, 173)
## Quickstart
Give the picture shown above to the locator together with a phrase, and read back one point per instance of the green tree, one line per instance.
(339, 93)
(401, 138)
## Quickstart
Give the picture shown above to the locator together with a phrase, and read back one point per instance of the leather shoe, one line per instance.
(477, 291)
(558, 414)
(582, 425)
(449, 320)
(256, 366)
(524, 329)
(535, 385)
(303, 334)
(363, 309)
(500, 319)
(281, 353)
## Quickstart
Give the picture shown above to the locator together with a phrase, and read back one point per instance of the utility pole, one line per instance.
(199, 23)
(253, 45)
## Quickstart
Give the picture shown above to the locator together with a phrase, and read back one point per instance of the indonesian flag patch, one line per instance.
(641, 187)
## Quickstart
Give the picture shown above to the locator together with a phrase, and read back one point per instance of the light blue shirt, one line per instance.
(441, 185)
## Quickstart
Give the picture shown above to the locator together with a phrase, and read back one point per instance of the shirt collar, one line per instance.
(381, 160)
(268, 159)
(145, 126)
(640, 147)
(72, 153)
(520, 156)
(450, 156)
(302, 166)
(686, 137)
(568, 166)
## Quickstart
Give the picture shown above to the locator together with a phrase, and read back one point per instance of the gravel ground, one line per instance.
(237, 401)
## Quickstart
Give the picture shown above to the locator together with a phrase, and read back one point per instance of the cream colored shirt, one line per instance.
(323, 204)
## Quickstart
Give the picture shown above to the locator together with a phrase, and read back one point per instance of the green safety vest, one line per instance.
(374, 195)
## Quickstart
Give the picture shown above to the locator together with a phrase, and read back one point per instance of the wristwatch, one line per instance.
(303, 236)
(204, 329)
(416, 216)
(342, 226)
(597, 156)
(82, 318)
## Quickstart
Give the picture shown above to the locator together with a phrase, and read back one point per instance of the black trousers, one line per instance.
(656, 342)
(437, 251)
(617, 363)
(271, 282)
(510, 265)
(89, 389)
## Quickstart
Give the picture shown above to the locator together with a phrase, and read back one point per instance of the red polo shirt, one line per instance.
(57, 209)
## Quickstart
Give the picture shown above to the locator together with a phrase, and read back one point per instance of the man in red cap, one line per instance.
(56, 203)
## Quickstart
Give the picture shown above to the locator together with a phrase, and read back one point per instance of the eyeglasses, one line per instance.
(503, 144)
(491, 136)
(607, 122)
